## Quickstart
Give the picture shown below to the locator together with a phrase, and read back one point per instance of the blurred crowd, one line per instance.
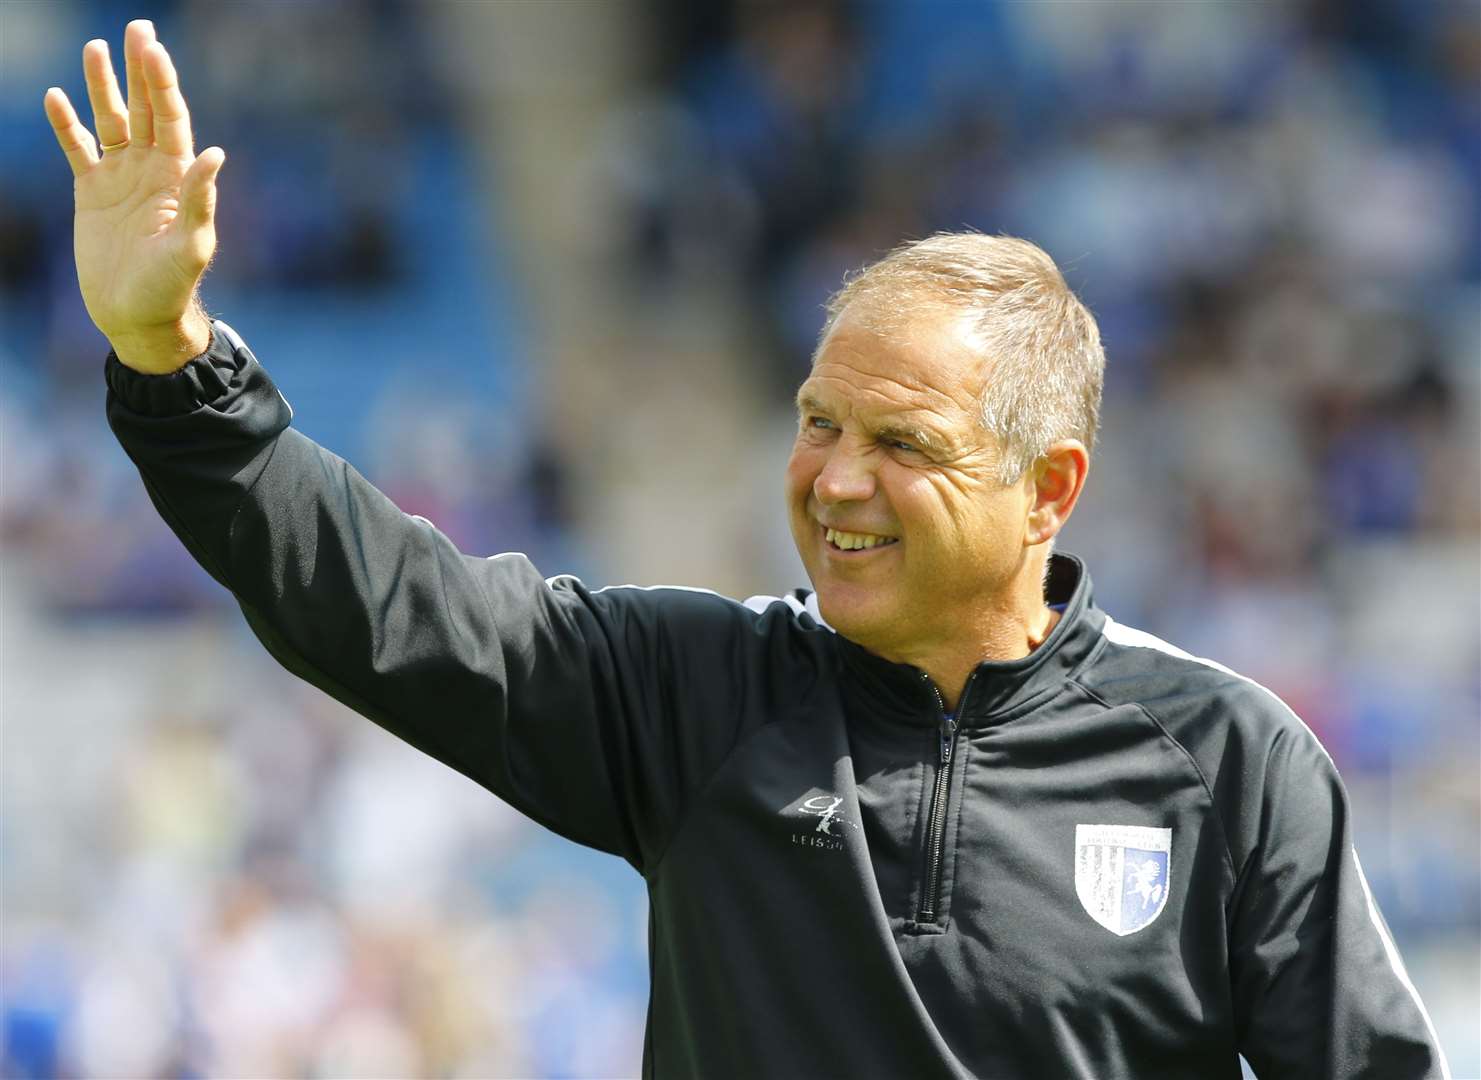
(1273, 210)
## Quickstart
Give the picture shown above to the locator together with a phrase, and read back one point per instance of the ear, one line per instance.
(1055, 480)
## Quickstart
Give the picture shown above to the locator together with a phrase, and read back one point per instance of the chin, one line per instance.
(864, 620)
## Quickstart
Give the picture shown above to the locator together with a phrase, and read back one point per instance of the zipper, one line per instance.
(936, 828)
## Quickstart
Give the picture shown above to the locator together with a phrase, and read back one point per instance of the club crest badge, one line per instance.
(1121, 874)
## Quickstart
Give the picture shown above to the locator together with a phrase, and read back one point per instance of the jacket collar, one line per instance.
(998, 689)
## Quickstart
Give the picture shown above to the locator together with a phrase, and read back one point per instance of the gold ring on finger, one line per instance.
(116, 146)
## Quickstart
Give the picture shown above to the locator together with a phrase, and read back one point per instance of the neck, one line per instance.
(950, 670)
(1008, 630)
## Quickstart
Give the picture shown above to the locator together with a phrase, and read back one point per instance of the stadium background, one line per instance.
(548, 273)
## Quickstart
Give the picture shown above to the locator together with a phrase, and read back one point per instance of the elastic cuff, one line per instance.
(200, 382)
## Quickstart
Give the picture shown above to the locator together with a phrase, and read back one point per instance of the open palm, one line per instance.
(144, 229)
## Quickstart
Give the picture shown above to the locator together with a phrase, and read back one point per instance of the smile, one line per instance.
(838, 540)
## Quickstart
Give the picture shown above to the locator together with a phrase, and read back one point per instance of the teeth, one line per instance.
(857, 541)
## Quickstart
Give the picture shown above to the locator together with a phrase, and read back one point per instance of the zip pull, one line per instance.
(948, 737)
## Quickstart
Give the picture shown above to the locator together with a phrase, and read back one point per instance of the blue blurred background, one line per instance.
(549, 274)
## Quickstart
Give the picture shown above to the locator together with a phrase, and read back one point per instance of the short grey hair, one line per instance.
(1048, 365)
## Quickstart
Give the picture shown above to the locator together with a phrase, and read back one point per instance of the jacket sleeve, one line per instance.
(596, 713)
(1319, 988)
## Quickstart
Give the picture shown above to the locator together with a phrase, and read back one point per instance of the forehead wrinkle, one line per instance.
(936, 331)
(918, 396)
(907, 364)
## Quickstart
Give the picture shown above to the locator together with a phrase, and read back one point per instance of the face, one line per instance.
(892, 490)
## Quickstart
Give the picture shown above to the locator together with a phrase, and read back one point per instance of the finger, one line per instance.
(171, 117)
(195, 224)
(76, 141)
(198, 188)
(109, 116)
(136, 36)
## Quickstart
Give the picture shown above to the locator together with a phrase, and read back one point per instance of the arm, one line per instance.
(597, 714)
(1319, 988)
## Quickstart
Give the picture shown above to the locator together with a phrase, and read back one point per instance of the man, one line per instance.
(939, 817)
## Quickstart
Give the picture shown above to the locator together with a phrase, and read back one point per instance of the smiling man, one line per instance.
(943, 439)
(939, 816)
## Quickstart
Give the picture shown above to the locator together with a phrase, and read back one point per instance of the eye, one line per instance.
(821, 423)
(894, 441)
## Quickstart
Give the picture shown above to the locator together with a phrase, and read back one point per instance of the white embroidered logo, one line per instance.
(1122, 874)
(823, 834)
(823, 806)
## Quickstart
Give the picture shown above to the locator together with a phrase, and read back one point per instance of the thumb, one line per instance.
(198, 188)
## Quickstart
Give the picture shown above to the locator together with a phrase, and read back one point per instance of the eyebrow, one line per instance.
(806, 403)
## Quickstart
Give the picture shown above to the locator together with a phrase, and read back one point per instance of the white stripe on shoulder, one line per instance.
(1391, 951)
(1140, 639)
(757, 604)
(674, 588)
(811, 607)
(608, 588)
(760, 603)
(808, 607)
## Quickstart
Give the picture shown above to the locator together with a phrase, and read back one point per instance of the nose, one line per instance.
(847, 476)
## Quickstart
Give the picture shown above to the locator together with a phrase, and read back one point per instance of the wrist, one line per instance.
(160, 350)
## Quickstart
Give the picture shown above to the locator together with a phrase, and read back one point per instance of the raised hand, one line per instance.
(145, 228)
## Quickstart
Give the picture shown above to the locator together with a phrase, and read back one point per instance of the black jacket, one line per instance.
(1116, 860)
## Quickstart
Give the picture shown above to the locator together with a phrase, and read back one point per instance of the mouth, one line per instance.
(855, 544)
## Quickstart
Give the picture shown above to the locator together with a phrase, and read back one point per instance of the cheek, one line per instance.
(802, 470)
(923, 503)
(958, 518)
